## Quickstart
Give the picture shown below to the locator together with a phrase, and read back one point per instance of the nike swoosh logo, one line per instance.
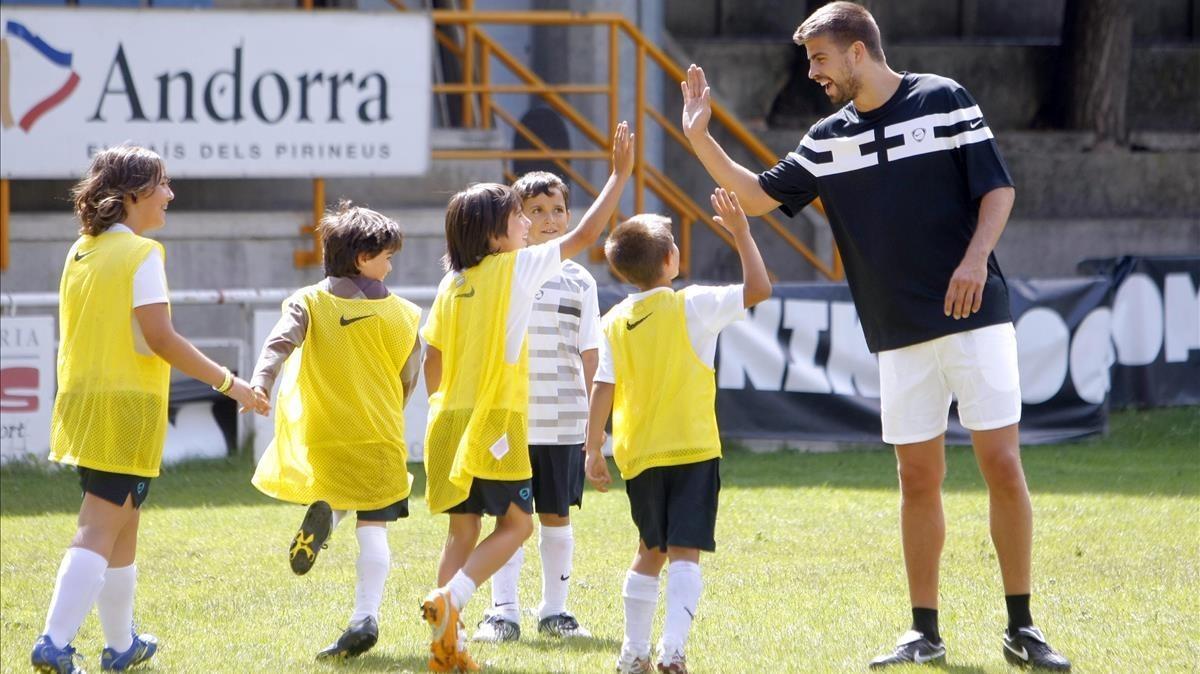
(470, 293)
(347, 321)
(1023, 654)
(79, 255)
(629, 325)
(504, 603)
(564, 578)
(976, 123)
(933, 655)
(689, 612)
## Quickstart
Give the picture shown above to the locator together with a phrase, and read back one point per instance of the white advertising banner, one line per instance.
(216, 93)
(26, 385)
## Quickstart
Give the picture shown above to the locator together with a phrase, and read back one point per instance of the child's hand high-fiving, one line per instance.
(622, 154)
(729, 212)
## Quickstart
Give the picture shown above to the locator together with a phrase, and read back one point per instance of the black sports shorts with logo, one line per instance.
(114, 487)
(557, 478)
(492, 497)
(676, 505)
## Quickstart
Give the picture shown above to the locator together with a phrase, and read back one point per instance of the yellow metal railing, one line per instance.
(478, 52)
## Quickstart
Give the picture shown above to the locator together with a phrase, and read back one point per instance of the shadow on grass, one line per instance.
(1154, 453)
(592, 645)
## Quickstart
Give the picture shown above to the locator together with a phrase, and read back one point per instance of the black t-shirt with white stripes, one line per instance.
(901, 186)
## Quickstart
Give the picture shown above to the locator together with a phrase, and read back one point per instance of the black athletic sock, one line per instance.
(1018, 612)
(925, 622)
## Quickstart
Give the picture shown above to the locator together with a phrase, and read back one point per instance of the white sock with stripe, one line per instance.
(684, 586)
(505, 599)
(557, 546)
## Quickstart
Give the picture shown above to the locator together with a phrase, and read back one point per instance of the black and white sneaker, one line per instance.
(358, 638)
(912, 647)
(1028, 648)
(562, 625)
(496, 629)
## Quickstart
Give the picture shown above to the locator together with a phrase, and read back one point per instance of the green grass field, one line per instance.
(807, 576)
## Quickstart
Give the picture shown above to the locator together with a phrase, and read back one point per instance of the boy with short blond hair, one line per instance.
(564, 336)
(656, 376)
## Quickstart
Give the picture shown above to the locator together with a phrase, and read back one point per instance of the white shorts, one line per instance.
(978, 367)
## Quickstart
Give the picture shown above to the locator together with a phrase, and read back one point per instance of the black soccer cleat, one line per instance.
(912, 647)
(1028, 648)
(358, 638)
(314, 531)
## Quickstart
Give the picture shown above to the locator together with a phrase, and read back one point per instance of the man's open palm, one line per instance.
(697, 107)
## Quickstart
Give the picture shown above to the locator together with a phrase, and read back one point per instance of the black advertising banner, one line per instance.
(1156, 329)
(798, 366)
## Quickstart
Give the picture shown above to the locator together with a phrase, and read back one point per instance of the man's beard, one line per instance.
(844, 92)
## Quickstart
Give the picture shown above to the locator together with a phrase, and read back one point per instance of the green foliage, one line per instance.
(807, 577)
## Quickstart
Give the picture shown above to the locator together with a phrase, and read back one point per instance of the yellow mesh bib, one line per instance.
(110, 412)
(478, 417)
(664, 398)
(339, 417)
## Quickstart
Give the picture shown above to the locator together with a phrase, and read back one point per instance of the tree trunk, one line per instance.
(1098, 48)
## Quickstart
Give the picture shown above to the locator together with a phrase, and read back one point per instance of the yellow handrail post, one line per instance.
(639, 141)
(312, 256)
(4, 208)
(485, 78)
(468, 61)
(614, 82)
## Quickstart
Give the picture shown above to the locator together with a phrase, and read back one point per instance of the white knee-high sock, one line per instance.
(641, 599)
(115, 606)
(79, 579)
(683, 595)
(374, 561)
(461, 588)
(557, 545)
(505, 599)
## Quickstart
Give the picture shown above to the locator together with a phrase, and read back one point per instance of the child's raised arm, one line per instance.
(757, 285)
(601, 212)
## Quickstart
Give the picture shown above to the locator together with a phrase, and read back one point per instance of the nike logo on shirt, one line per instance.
(564, 578)
(79, 255)
(470, 293)
(347, 321)
(976, 123)
(629, 325)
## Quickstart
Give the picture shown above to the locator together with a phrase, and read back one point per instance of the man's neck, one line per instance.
(878, 87)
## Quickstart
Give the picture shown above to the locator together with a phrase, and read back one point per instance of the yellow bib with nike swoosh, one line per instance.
(339, 417)
(664, 398)
(478, 417)
(110, 411)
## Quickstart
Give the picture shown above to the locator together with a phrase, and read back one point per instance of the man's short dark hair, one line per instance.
(846, 23)
(350, 231)
(637, 248)
(474, 216)
(541, 182)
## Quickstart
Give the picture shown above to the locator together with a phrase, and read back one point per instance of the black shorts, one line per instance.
(676, 505)
(492, 497)
(396, 511)
(557, 478)
(114, 487)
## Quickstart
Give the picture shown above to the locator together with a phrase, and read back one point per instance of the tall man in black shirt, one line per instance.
(917, 196)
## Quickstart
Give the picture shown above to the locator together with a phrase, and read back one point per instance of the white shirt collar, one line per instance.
(119, 227)
(646, 293)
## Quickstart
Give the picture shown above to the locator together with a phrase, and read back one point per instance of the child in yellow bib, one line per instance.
(656, 377)
(117, 348)
(350, 357)
(477, 373)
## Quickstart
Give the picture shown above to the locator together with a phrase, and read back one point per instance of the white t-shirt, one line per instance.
(707, 310)
(150, 279)
(534, 266)
(564, 323)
